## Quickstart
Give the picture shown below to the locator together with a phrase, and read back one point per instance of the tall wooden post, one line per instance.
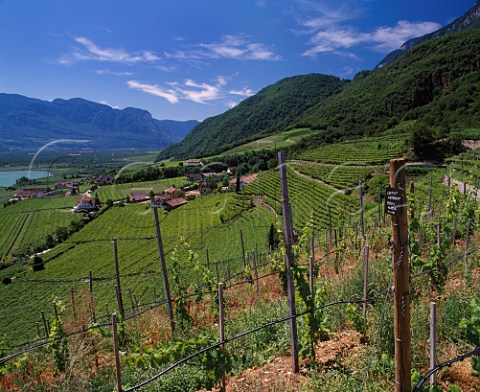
(430, 208)
(379, 199)
(118, 287)
(412, 203)
(221, 329)
(166, 286)
(365, 281)
(288, 233)
(118, 363)
(433, 340)
(362, 223)
(92, 301)
(467, 242)
(401, 279)
(243, 249)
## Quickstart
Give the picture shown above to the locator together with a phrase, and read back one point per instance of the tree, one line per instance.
(423, 142)
(273, 239)
(237, 185)
(38, 263)
(22, 180)
(49, 241)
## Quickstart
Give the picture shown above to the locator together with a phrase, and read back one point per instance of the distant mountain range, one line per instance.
(471, 19)
(27, 124)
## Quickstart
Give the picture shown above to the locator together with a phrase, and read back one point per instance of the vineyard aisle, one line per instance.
(317, 181)
(461, 186)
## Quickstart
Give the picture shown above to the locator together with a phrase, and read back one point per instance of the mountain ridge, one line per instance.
(272, 109)
(471, 19)
(28, 123)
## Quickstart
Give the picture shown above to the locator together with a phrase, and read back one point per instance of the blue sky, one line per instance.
(192, 59)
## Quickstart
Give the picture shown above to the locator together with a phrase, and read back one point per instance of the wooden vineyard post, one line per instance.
(467, 242)
(243, 249)
(365, 282)
(221, 328)
(310, 277)
(55, 310)
(379, 199)
(433, 340)
(92, 301)
(288, 233)
(412, 193)
(255, 268)
(362, 223)
(73, 304)
(118, 364)
(430, 196)
(166, 286)
(118, 287)
(208, 258)
(396, 207)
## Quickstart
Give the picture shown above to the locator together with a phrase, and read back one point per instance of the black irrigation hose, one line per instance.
(458, 258)
(241, 335)
(49, 341)
(444, 364)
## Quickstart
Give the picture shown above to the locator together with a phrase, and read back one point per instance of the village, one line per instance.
(198, 183)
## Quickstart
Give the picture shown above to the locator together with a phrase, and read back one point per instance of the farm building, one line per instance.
(85, 204)
(138, 196)
(244, 181)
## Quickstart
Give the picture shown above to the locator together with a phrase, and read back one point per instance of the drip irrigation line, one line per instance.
(444, 364)
(238, 336)
(49, 341)
(447, 265)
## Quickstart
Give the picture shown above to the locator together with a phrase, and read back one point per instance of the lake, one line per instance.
(8, 177)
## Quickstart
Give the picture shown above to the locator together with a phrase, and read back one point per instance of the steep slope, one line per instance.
(437, 81)
(471, 19)
(269, 111)
(27, 123)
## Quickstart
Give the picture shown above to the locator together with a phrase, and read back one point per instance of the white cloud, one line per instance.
(191, 90)
(201, 92)
(244, 92)
(89, 51)
(236, 47)
(383, 39)
(114, 73)
(169, 94)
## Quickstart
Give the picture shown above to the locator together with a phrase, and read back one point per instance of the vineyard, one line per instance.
(91, 250)
(345, 328)
(338, 176)
(25, 225)
(370, 151)
(314, 203)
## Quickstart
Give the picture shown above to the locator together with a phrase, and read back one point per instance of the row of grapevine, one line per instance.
(309, 200)
(338, 176)
(363, 152)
